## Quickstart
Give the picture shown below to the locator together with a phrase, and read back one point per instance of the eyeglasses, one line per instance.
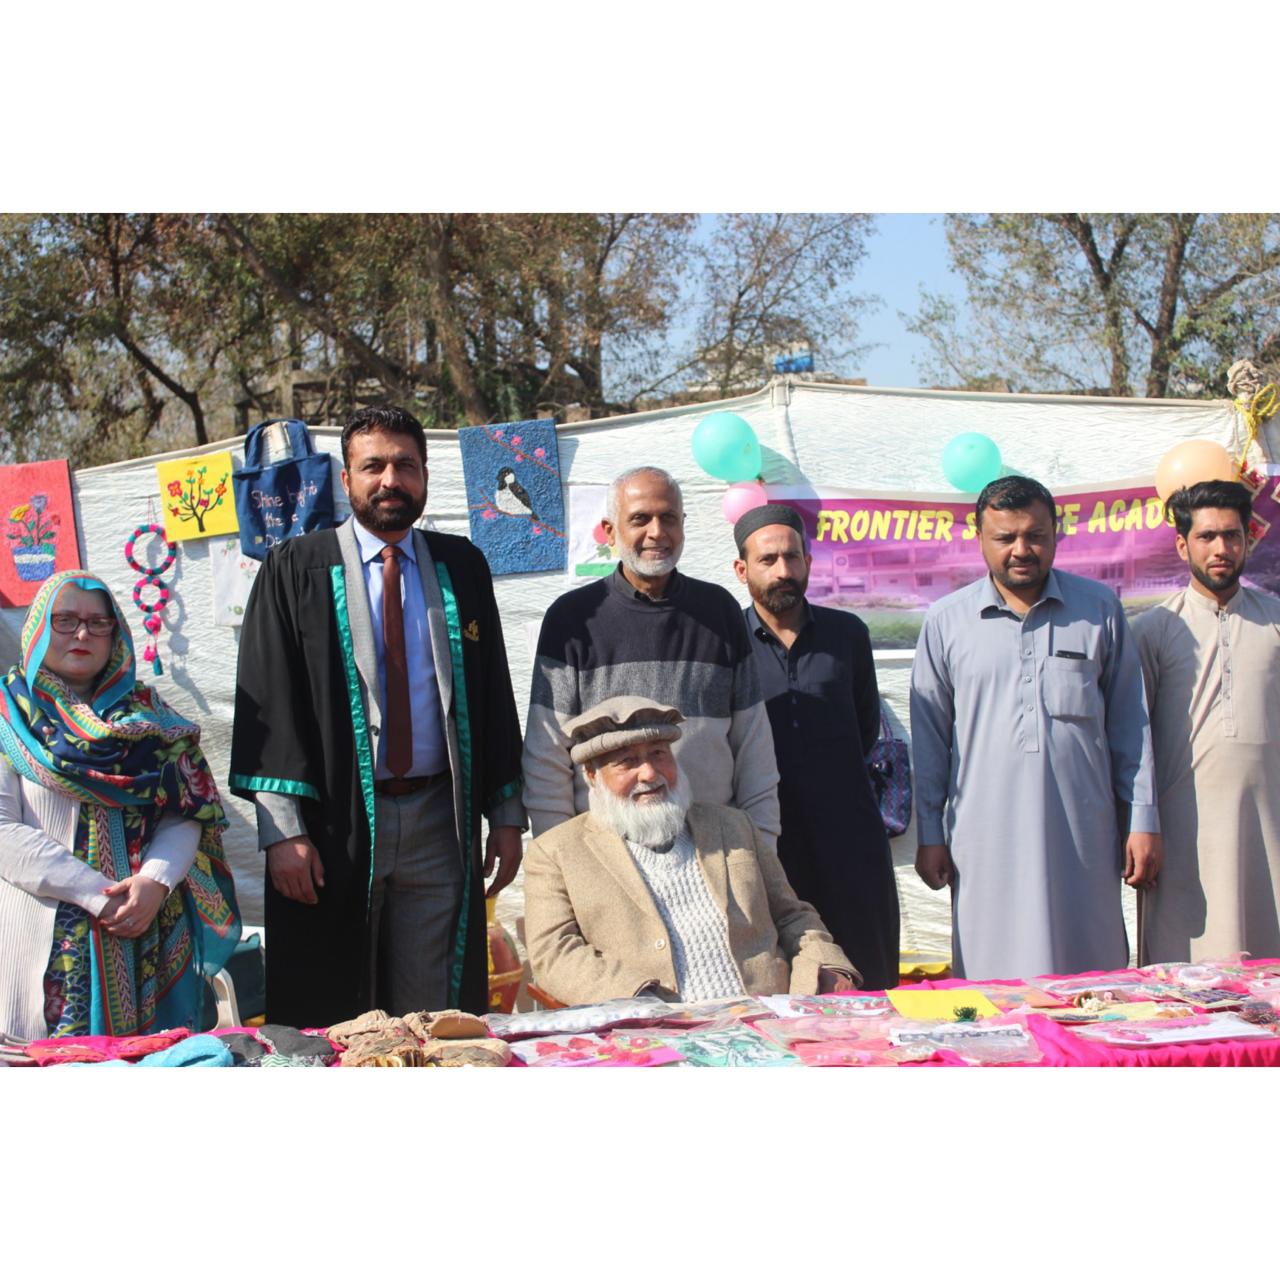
(97, 624)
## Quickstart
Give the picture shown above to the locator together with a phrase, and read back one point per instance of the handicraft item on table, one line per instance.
(196, 493)
(836, 1005)
(946, 1005)
(151, 580)
(39, 528)
(985, 1043)
(589, 1050)
(1190, 1030)
(692, 1013)
(636, 1011)
(512, 474)
(284, 489)
(734, 1046)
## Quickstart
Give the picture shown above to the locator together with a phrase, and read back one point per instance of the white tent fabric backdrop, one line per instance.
(812, 435)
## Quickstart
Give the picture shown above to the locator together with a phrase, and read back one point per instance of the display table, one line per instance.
(1219, 1014)
(1063, 1047)
(1164, 1015)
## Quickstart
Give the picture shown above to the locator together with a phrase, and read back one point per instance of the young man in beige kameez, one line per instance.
(1211, 663)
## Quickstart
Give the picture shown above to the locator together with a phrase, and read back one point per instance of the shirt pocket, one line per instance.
(1071, 689)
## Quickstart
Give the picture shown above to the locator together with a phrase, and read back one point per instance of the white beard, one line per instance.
(652, 823)
(646, 568)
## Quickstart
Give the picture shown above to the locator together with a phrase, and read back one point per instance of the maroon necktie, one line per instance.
(399, 723)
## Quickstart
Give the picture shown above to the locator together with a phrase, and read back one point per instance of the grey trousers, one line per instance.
(417, 893)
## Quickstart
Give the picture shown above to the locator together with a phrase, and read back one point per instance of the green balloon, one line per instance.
(971, 461)
(725, 446)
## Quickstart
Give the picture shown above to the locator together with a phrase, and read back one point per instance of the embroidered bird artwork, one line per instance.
(515, 507)
(511, 497)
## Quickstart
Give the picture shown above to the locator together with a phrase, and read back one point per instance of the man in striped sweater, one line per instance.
(649, 630)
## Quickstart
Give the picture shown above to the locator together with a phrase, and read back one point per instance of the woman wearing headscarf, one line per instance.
(115, 900)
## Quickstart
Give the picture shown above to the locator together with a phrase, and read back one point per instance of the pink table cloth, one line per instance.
(1061, 1048)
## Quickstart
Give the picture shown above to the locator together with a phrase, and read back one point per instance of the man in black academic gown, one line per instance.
(824, 708)
(374, 727)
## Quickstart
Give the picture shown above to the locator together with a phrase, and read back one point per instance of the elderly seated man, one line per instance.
(647, 892)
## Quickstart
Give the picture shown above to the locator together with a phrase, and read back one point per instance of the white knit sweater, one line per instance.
(697, 927)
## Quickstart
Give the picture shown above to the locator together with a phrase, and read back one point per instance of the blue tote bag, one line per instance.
(286, 497)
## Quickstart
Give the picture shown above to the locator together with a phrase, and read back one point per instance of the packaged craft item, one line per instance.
(639, 1011)
(839, 1041)
(1261, 1013)
(992, 1042)
(618, 1049)
(733, 1046)
(1266, 989)
(836, 1005)
(847, 1053)
(789, 1032)
(694, 1013)
(1189, 1030)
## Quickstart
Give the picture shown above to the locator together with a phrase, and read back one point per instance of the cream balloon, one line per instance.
(1191, 462)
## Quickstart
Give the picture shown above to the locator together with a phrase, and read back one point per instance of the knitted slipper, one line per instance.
(341, 1032)
(467, 1053)
(378, 1048)
(449, 1024)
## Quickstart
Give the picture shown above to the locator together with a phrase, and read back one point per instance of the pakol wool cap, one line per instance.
(620, 722)
(758, 517)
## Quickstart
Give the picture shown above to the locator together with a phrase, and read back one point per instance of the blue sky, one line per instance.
(907, 251)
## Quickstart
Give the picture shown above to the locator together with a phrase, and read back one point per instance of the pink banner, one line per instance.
(889, 557)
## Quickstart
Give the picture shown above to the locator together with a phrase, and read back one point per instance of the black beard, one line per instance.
(1205, 580)
(382, 519)
(1006, 579)
(782, 597)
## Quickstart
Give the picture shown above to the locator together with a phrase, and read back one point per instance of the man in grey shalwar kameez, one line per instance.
(1211, 660)
(1032, 754)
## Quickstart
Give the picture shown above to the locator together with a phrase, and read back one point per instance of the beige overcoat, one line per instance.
(593, 931)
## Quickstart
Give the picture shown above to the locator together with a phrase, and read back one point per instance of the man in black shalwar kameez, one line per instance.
(312, 717)
(824, 709)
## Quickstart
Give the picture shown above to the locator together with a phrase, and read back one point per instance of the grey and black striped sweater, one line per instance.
(689, 650)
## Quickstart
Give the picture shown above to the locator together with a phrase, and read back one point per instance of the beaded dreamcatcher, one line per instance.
(151, 579)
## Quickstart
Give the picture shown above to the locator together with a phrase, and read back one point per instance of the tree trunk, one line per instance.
(1164, 346)
(1104, 279)
(448, 330)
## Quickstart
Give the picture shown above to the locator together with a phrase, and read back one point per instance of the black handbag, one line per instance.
(889, 762)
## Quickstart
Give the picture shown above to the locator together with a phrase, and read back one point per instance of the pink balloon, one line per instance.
(742, 497)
